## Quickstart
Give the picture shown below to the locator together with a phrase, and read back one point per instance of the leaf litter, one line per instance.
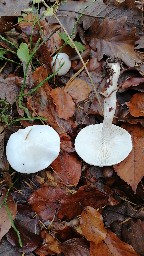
(72, 208)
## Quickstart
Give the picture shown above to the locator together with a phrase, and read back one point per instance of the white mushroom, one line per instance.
(61, 64)
(105, 144)
(33, 149)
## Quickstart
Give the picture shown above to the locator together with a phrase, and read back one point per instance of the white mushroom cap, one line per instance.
(33, 149)
(58, 60)
(90, 147)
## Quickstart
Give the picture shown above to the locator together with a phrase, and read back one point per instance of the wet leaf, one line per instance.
(66, 143)
(92, 225)
(67, 168)
(136, 105)
(73, 205)
(99, 249)
(46, 201)
(65, 106)
(131, 169)
(5, 209)
(78, 89)
(112, 39)
(75, 247)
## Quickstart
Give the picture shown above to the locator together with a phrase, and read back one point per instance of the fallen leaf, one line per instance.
(66, 143)
(50, 245)
(131, 169)
(133, 233)
(133, 81)
(92, 225)
(73, 205)
(68, 168)
(9, 89)
(27, 224)
(136, 105)
(118, 247)
(75, 247)
(112, 39)
(78, 89)
(140, 43)
(7, 23)
(6, 249)
(99, 249)
(46, 201)
(5, 209)
(65, 106)
(12, 7)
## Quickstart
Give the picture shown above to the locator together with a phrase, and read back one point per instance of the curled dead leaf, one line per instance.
(78, 89)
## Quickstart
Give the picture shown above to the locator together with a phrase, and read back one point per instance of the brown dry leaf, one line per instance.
(100, 249)
(136, 105)
(112, 39)
(131, 169)
(75, 247)
(50, 245)
(46, 200)
(9, 89)
(133, 233)
(13, 7)
(140, 43)
(117, 247)
(78, 89)
(66, 143)
(73, 205)
(133, 81)
(92, 225)
(27, 224)
(65, 106)
(10, 206)
(67, 168)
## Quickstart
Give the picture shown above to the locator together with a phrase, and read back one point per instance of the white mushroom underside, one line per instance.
(88, 145)
(33, 149)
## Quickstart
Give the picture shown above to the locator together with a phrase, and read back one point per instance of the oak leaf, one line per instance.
(131, 169)
(65, 106)
(112, 39)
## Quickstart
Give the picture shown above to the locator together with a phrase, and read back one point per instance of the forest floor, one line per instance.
(71, 208)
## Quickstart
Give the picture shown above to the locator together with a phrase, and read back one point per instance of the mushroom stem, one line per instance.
(110, 103)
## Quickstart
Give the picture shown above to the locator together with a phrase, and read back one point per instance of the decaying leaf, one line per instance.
(9, 89)
(103, 242)
(75, 247)
(78, 89)
(73, 205)
(92, 225)
(117, 247)
(50, 245)
(46, 201)
(132, 81)
(112, 39)
(5, 209)
(27, 224)
(136, 105)
(13, 8)
(67, 168)
(65, 106)
(131, 169)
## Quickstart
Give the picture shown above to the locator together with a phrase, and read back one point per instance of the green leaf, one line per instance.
(78, 45)
(23, 52)
(49, 12)
(2, 52)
